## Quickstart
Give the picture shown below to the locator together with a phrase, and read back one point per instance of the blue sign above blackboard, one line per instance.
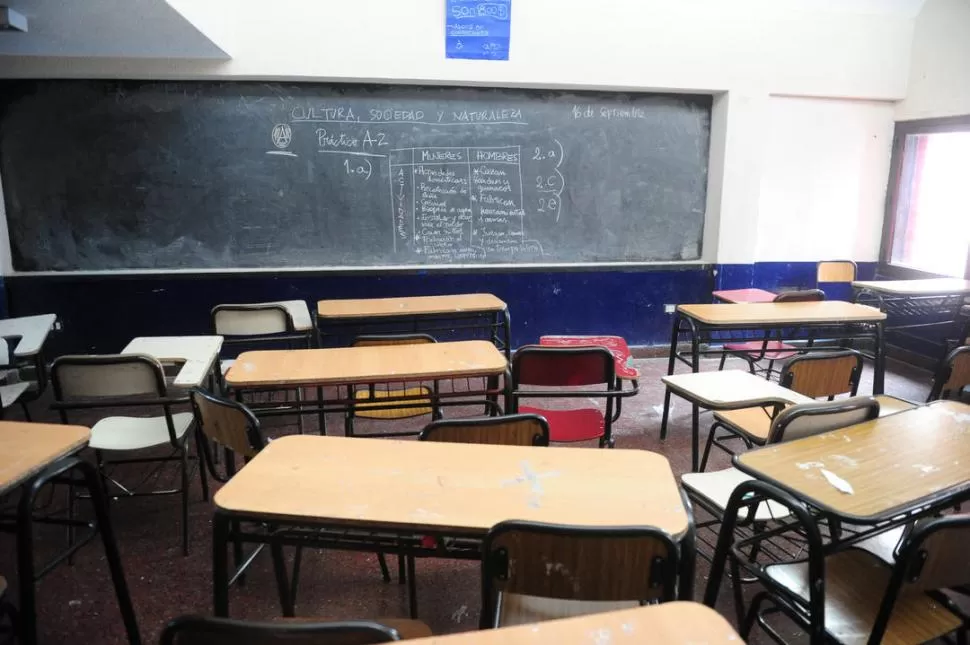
(478, 29)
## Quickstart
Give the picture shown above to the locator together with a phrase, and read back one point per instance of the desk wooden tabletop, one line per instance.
(730, 389)
(376, 364)
(31, 330)
(892, 463)
(792, 313)
(672, 623)
(927, 287)
(466, 488)
(28, 448)
(410, 306)
(196, 353)
(744, 295)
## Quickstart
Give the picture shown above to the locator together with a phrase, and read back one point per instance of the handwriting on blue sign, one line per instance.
(478, 29)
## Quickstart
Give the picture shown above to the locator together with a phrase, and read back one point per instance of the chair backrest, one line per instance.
(507, 430)
(111, 376)
(808, 419)
(576, 563)
(379, 340)
(835, 271)
(953, 375)
(229, 423)
(251, 320)
(199, 630)
(804, 295)
(562, 366)
(932, 556)
(823, 374)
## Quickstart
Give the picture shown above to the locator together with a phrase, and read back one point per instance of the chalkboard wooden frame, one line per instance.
(54, 206)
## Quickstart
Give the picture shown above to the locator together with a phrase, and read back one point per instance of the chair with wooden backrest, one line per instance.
(234, 427)
(265, 324)
(126, 381)
(819, 375)
(835, 277)
(856, 598)
(773, 350)
(533, 571)
(199, 630)
(508, 430)
(421, 403)
(953, 375)
(567, 372)
(712, 490)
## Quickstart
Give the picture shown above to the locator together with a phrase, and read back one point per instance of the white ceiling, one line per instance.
(105, 28)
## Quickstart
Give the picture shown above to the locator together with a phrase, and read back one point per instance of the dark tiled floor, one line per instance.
(76, 602)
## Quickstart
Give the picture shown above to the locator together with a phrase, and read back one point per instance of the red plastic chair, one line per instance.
(771, 350)
(567, 372)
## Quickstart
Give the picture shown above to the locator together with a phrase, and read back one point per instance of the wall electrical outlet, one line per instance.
(669, 309)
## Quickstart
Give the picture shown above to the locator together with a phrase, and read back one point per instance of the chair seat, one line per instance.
(10, 393)
(361, 409)
(855, 582)
(751, 423)
(136, 433)
(519, 609)
(774, 351)
(716, 488)
(577, 424)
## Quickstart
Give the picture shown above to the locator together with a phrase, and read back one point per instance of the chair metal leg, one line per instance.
(295, 579)
(282, 582)
(720, 366)
(402, 575)
(666, 414)
(100, 502)
(200, 456)
(412, 589)
(707, 447)
(71, 529)
(382, 561)
(185, 499)
(736, 588)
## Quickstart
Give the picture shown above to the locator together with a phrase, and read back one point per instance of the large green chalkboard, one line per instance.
(107, 175)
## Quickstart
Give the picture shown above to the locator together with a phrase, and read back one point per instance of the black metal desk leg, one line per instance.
(220, 566)
(695, 422)
(674, 335)
(879, 366)
(507, 334)
(25, 566)
(100, 502)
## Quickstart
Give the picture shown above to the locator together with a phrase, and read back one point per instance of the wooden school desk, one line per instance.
(900, 466)
(348, 366)
(195, 355)
(444, 490)
(723, 390)
(737, 296)
(31, 455)
(831, 319)
(668, 623)
(910, 304)
(481, 311)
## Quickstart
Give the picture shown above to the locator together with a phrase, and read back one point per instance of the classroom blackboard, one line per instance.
(114, 175)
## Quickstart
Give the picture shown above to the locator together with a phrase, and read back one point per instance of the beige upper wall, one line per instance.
(939, 76)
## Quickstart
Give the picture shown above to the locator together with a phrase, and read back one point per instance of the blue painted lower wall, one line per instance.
(102, 313)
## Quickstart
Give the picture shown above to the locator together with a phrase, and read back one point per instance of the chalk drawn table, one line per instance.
(444, 490)
(287, 369)
(481, 311)
(898, 467)
(31, 455)
(912, 304)
(671, 622)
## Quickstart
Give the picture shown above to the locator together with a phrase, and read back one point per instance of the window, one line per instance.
(928, 219)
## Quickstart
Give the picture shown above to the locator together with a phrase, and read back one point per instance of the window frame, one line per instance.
(902, 130)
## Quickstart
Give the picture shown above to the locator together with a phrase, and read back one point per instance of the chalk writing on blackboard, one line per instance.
(478, 29)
